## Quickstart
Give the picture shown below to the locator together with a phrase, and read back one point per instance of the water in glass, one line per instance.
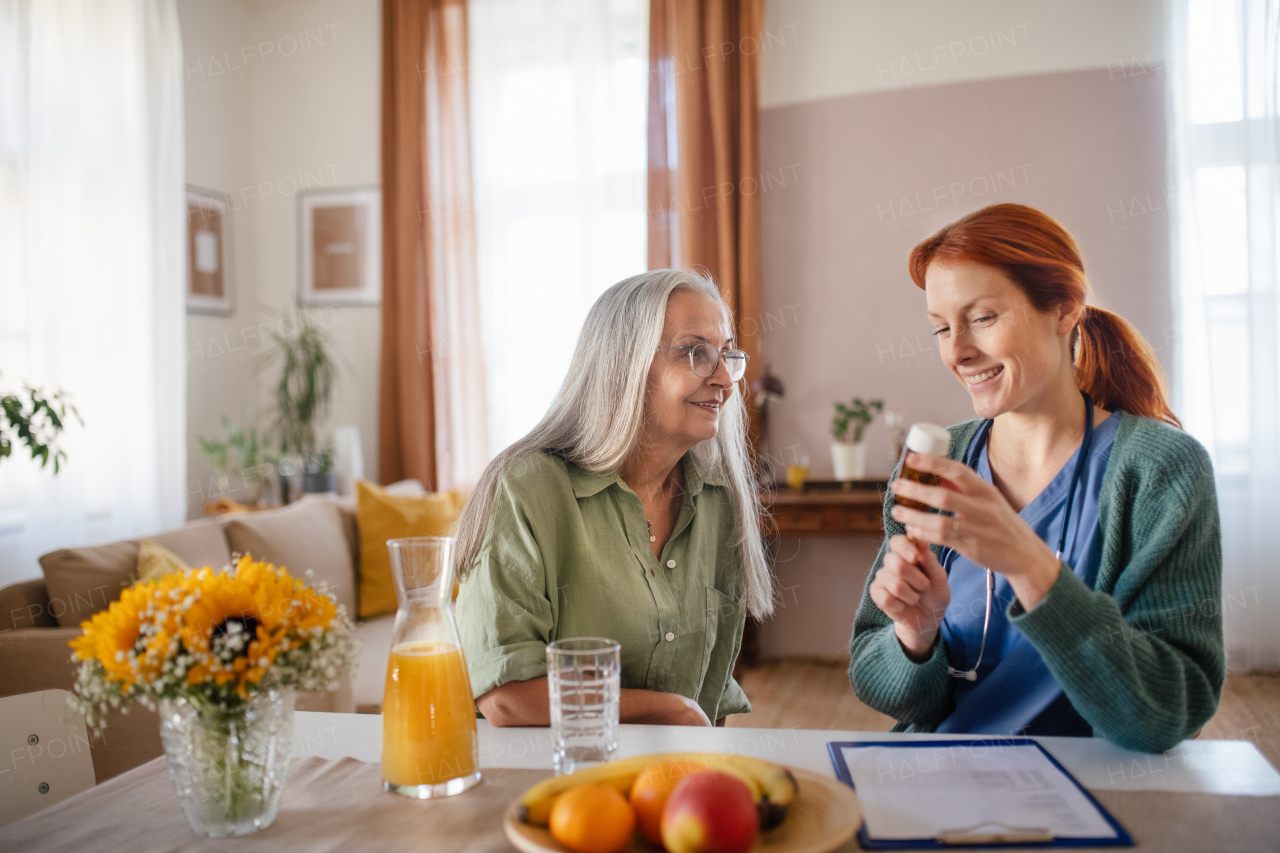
(584, 682)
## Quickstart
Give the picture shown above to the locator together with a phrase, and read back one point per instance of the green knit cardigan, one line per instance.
(1140, 656)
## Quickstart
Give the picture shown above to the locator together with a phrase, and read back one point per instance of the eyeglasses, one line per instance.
(704, 359)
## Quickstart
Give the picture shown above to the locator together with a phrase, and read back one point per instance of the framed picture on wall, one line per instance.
(210, 276)
(340, 259)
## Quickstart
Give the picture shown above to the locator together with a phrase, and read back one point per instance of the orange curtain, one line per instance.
(704, 205)
(431, 393)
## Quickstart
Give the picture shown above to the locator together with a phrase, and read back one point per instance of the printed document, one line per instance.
(968, 789)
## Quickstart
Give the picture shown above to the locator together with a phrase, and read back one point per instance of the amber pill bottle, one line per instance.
(923, 438)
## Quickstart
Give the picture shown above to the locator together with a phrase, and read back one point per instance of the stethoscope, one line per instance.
(972, 461)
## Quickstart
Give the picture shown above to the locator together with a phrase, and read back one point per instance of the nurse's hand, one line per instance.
(982, 526)
(911, 589)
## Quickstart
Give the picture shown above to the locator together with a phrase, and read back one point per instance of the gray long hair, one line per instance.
(596, 417)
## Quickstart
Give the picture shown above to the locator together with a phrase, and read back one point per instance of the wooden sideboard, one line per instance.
(822, 508)
(828, 508)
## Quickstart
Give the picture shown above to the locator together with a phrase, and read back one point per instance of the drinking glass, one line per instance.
(798, 471)
(429, 744)
(584, 679)
(896, 422)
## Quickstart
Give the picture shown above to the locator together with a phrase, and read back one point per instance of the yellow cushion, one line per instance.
(156, 561)
(379, 517)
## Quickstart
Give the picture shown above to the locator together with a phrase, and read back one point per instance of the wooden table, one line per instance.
(1202, 795)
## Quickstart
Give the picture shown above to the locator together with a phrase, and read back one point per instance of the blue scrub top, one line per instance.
(1015, 693)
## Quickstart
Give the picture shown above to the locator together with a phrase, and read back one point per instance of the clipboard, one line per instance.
(981, 835)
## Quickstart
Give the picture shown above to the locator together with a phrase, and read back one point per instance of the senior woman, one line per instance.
(629, 512)
(1070, 582)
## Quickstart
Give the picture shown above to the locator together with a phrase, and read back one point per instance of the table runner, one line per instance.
(339, 805)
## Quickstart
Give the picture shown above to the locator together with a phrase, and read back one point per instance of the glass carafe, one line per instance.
(429, 745)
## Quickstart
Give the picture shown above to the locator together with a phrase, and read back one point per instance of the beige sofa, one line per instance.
(39, 617)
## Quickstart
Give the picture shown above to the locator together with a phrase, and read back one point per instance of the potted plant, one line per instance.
(848, 455)
(34, 419)
(240, 457)
(302, 398)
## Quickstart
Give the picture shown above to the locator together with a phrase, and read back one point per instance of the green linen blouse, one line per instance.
(567, 555)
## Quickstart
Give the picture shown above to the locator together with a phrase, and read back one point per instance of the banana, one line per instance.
(779, 786)
(535, 805)
(772, 786)
(715, 761)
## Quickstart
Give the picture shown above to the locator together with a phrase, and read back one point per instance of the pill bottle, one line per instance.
(923, 438)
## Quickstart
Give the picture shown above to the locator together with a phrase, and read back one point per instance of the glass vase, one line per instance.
(229, 768)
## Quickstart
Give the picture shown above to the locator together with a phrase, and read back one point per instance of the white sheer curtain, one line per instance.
(92, 219)
(1225, 76)
(559, 91)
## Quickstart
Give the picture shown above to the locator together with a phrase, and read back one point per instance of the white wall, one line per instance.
(281, 95)
(220, 381)
(814, 49)
(316, 113)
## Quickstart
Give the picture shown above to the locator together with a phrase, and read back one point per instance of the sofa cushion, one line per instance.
(155, 561)
(307, 536)
(198, 545)
(82, 581)
(380, 516)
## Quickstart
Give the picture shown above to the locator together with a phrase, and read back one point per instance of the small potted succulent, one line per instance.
(848, 454)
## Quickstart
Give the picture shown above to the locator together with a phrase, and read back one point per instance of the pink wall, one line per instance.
(850, 184)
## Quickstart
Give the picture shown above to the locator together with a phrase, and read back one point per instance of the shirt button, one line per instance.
(671, 564)
(670, 636)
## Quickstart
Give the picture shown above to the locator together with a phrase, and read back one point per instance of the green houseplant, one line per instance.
(34, 419)
(848, 454)
(303, 395)
(240, 457)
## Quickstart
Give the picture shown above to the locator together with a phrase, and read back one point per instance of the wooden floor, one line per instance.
(814, 694)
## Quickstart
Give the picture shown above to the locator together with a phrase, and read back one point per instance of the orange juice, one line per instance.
(428, 716)
(796, 475)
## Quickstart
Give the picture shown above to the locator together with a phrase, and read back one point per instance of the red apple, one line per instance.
(710, 812)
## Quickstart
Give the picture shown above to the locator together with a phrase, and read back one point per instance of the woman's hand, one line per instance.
(911, 589)
(982, 526)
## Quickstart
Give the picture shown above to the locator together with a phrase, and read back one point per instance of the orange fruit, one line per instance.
(651, 789)
(592, 818)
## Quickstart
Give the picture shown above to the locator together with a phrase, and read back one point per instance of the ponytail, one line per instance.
(1115, 364)
(1117, 367)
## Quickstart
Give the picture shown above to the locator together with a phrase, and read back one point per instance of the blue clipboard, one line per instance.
(835, 751)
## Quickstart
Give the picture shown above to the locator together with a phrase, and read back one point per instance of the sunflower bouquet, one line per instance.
(218, 654)
(214, 638)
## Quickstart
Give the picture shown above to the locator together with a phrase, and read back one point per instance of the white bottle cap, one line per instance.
(928, 438)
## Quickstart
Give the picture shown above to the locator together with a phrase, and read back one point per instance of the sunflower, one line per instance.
(286, 603)
(133, 637)
(240, 622)
(210, 637)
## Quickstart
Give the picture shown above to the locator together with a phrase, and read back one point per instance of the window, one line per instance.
(1226, 145)
(91, 261)
(1227, 236)
(558, 109)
